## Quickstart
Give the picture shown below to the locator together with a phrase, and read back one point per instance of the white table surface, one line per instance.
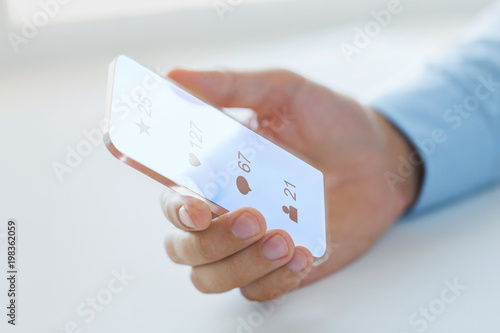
(105, 216)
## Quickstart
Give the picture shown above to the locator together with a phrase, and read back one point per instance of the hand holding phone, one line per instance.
(192, 147)
(352, 145)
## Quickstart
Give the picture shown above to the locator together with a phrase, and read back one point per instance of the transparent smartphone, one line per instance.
(196, 149)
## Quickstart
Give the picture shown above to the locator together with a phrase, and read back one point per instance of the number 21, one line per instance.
(290, 193)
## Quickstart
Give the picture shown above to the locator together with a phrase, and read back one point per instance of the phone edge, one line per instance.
(216, 209)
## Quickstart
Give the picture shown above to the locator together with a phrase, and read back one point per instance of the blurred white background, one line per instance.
(103, 216)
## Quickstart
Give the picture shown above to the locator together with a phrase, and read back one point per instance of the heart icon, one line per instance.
(193, 160)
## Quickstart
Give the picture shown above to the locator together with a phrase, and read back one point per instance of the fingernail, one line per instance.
(185, 218)
(298, 262)
(275, 248)
(245, 226)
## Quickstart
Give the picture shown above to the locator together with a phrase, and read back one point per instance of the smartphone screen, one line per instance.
(167, 133)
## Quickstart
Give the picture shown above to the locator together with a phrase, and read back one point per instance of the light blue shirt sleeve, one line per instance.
(451, 114)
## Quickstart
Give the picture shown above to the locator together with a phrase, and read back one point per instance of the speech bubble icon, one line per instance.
(242, 185)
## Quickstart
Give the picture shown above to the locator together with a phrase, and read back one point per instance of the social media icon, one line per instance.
(292, 212)
(242, 185)
(193, 160)
(143, 128)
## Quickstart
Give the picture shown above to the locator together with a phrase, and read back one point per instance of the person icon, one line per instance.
(292, 213)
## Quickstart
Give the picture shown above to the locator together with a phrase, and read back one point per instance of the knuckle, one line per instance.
(261, 295)
(170, 248)
(212, 279)
(198, 283)
(204, 283)
(275, 293)
(237, 273)
(248, 294)
(204, 247)
(288, 75)
(286, 72)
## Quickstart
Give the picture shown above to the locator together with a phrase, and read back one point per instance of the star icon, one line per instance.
(143, 127)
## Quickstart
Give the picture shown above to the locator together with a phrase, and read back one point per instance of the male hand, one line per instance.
(352, 145)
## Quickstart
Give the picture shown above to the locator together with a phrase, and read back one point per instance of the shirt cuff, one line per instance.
(443, 121)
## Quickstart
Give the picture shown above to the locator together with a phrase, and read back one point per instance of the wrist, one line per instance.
(404, 166)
